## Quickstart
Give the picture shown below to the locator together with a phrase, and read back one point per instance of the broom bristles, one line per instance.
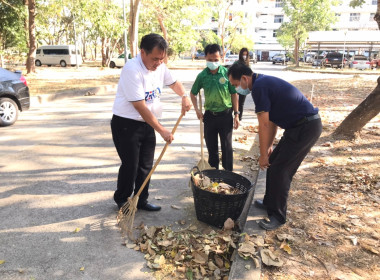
(126, 215)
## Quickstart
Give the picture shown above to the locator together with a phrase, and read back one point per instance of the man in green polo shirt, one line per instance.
(221, 100)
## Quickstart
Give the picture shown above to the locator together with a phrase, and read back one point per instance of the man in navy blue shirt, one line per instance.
(278, 104)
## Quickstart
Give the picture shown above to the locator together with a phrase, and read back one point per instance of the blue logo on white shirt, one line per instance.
(153, 94)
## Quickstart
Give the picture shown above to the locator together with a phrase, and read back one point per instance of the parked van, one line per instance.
(57, 55)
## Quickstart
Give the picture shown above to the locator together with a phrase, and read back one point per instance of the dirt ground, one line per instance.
(333, 206)
(49, 80)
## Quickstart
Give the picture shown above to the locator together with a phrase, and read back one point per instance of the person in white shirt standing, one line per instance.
(136, 111)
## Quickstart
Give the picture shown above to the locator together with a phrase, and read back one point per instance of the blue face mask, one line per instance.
(243, 91)
(212, 65)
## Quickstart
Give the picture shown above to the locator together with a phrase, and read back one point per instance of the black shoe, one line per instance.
(260, 204)
(120, 204)
(272, 224)
(149, 207)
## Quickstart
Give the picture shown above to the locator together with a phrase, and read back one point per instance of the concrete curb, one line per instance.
(44, 98)
(333, 72)
(247, 223)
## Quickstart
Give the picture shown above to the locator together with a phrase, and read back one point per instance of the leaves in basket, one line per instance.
(205, 183)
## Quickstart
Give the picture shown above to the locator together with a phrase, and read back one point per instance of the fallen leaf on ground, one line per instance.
(76, 230)
(229, 224)
(284, 246)
(353, 238)
(285, 236)
(2, 261)
(269, 258)
(370, 249)
(176, 207)
(82, 268)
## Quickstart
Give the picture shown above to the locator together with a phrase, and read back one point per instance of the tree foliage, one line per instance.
(175, 21)
(305, 16)
(232, 26)
(12, 25)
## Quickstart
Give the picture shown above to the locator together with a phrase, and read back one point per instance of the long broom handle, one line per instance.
(159, 158)
(201, 126)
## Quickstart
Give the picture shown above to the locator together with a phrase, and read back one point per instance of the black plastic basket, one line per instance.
(214, 208)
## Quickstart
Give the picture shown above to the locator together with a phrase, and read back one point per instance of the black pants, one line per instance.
(288, 155)
(241, 105)
(135, 143)
(219, 125)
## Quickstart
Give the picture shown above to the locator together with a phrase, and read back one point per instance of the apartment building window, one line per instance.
(278, 18)
(242, 2)
(371, 17)
(279, 3)
(337, 14)
(275, 33)
(354, 16)
(246, 15)
(374, 2)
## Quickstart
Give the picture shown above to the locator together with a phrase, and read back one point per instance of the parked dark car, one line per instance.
(200, 55)
(318, 61)
(280, 58)
(334, 59)
(14, 96)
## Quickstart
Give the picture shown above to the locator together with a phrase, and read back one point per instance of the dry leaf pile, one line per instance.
(252, 129)
(187, 253)
(205, 183)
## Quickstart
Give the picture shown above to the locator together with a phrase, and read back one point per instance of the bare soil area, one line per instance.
(49, 80)
(333, 207)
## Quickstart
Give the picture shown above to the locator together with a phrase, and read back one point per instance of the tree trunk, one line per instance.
(377, 15)
(296, 51)
(133, 26)
(164, 32)
(360, 116)
(84, 40)
(104, 58)
(30, 67)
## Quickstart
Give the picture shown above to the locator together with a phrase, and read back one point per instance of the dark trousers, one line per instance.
(219, 125)
(135, 143)
(241, 105)
(293, 147)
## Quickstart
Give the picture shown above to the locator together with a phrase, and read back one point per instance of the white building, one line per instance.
(269, 16)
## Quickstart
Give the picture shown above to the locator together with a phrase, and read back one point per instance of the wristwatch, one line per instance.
(236, 113)
(185, 95)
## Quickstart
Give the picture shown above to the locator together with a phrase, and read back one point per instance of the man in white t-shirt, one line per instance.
(136, 111)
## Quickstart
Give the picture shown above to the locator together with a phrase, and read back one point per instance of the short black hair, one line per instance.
(239, 69)
(152, 40)
(212, 48)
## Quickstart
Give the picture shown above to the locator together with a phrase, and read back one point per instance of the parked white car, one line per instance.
(117, 61)
(360, 62)
(231, 59)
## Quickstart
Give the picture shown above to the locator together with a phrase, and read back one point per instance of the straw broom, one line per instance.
(126, 215)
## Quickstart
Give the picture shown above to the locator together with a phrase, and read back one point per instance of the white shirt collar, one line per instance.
(138, 57)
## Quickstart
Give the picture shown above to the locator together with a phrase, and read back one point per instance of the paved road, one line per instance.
(58, 172)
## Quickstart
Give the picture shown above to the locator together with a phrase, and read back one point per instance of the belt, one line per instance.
(222, 113)
(307, 119)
